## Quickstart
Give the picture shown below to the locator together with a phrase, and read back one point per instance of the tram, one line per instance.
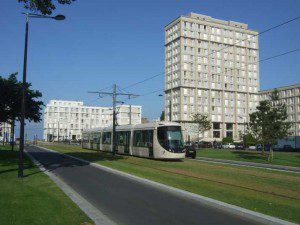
(159, 140)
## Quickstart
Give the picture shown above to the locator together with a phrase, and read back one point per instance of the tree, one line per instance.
(203, 123)
(45, 7)
(162, 116)
(227, 140)
(269, 122)
(248, 139)
(11, 100)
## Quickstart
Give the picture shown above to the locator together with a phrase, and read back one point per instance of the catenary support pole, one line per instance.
(114, 120)
(114, 95)
(22, 121)
(130, 114)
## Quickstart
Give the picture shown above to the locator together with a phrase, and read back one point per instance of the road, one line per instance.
(126, 201)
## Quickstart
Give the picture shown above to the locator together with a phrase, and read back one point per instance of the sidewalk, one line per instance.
(251, 164)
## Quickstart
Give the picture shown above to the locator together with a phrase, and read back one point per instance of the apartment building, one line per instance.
(65, 120)
(5, 132)
(211, 67)
(290, 96)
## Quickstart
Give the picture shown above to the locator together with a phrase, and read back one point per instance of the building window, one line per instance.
(229, 134)
(229, 126)
(216, 126)
(216, 134)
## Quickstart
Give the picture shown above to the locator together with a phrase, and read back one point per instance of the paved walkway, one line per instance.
(126, 201)
(251, 164)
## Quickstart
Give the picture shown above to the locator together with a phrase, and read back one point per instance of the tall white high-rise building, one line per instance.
(211, 67)
(65, 120)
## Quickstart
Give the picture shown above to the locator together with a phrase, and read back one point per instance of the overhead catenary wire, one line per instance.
(221, 49)
(142, 81)
(262, 60)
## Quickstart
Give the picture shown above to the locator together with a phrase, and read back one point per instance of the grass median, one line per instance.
(280, 158)
(270, 192)
(34, 199)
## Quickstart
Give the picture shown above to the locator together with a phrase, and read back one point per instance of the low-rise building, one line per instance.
(5, 132)
(65, 120)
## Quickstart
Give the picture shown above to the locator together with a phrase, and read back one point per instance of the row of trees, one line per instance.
(267, 124)
(11, 99)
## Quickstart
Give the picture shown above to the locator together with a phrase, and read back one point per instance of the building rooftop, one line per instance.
(281, 88)
(223, 22)
(206, 18)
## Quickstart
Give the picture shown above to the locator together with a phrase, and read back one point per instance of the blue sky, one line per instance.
(106, 42)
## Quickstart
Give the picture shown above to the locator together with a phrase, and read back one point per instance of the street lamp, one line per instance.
(22, 121)
(170, 108)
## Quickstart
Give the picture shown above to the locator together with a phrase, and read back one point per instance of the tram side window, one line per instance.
(96, 138)
(120, 138)
(137, 138)
(106, 138)
(85, 138)
(143, 138)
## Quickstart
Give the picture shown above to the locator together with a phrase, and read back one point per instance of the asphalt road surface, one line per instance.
(126, 201)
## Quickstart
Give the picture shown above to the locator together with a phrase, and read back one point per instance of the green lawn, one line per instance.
(271, 192)
(280, 158)
(34, 199)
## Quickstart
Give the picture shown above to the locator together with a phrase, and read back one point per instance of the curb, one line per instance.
(93, 213)
(235, 210)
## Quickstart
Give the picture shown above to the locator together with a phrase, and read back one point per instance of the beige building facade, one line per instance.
(5, 132)
(290, 96)
(211, 67)
(65, 120)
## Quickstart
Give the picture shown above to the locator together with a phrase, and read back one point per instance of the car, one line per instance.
(287, 148)
(228, 146)
(259, 147)
(204, 144)
(240, 146)
(190, 151)
(217, 145)
(225, 146)
(252, 147)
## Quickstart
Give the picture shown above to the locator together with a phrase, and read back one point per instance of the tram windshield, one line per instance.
(170, 138)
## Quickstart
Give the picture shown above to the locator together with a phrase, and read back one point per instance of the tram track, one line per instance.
(215, 181)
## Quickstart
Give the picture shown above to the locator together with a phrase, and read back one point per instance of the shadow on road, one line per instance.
(52, 161)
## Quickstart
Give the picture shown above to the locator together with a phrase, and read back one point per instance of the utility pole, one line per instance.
(130, 114)
(114, 95)
(58, 130)
(114, 118)
(170, 109)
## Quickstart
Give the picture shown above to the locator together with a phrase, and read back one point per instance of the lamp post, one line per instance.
(170, 108)
(22, 120)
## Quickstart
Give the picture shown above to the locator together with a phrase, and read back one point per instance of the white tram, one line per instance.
(160, 140)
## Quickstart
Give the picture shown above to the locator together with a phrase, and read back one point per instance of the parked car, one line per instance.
(287, 148)
(252, 147)
(228, 146)
(190, 150)
(240, 146)
(204, 144)
(217, 145)
(259, 147)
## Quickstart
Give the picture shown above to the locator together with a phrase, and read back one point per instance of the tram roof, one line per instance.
(136, 126)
